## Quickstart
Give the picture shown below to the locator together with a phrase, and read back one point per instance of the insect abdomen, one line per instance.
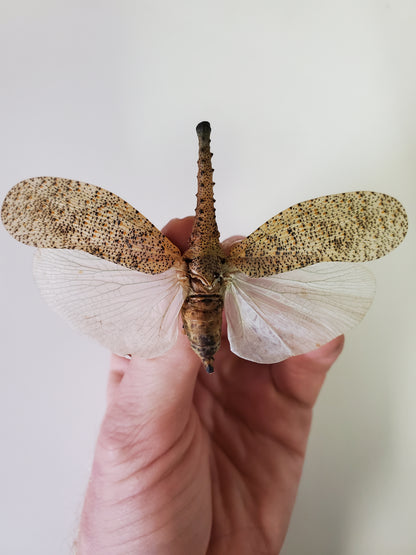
(202, 318)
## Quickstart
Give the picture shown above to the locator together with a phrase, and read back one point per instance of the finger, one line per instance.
(118, 366)
(230, 241)
(301, 377)
(179, 230)
(326, 355)
(167, 379)
(153, 399)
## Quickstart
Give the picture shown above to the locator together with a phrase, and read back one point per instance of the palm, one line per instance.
(188, 462)
(257, 419)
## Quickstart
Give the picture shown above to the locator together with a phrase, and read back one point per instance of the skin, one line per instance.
(187, 462)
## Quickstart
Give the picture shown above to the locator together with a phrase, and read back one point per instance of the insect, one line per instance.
(288, 287)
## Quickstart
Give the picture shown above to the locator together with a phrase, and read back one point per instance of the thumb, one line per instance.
(155, 383)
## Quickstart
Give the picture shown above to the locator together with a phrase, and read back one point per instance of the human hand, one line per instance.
(192, 463)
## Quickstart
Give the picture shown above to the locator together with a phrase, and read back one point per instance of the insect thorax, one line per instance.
(206, 274)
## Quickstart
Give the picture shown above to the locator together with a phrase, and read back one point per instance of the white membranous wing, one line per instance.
(127, 311)
(272, 318)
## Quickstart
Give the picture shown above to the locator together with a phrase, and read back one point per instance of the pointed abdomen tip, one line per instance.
(209, 368)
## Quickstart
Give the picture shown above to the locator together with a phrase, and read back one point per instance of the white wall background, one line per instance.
(305, 98)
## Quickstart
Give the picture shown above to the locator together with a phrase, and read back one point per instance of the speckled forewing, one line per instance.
(347, 227)
(60, 213)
